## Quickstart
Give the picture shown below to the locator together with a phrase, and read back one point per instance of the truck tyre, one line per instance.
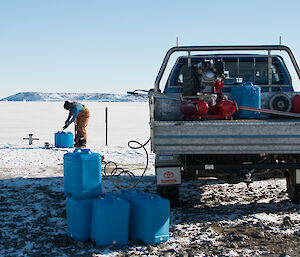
(292, 188)
(169, 192)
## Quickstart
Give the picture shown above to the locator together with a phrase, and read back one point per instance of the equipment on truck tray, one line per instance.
(205, 123)
(201, 98)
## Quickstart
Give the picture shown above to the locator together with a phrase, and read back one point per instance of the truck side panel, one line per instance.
(226, 137)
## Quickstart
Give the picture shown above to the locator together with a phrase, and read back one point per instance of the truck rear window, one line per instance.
(239, 70)
(251, 70)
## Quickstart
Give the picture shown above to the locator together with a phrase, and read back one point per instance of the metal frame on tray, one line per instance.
(190, 49)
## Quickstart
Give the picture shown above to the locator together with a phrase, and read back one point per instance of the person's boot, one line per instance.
(81, 142)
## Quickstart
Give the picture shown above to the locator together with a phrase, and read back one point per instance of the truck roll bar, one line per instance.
(189, 49)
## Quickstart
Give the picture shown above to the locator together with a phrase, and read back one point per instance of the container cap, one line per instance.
(248, 83)
(63, 132)
(84, 150)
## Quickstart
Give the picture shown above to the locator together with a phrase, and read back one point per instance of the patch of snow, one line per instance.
(273, 218)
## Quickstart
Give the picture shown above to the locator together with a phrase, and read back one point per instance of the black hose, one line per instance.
(117, 171)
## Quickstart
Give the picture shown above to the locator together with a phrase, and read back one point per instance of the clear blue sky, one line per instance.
(117, 45)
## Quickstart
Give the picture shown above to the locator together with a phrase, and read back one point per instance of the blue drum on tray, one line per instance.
(247, 95)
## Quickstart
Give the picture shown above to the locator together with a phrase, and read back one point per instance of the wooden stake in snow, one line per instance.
(106, 126)
(30, 138)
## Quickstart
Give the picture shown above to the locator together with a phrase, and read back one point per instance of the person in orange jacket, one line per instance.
(79, 114)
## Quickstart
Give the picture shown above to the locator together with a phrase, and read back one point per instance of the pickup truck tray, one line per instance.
(280, 136)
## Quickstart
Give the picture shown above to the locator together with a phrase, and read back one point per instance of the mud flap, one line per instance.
(168, 180)
(297, 186)
(293, 185)
(166, 176)
(297, 177)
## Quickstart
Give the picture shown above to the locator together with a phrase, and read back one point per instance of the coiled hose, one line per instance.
(117, 171)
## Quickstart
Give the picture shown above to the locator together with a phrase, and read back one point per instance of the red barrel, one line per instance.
(296, 104)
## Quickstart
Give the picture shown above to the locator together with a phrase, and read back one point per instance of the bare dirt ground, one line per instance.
(214, 219)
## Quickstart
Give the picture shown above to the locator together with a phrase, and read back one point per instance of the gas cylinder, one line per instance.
(226, 108)
(202, 107)
(188, 108)
(296, 104)
(194, 108)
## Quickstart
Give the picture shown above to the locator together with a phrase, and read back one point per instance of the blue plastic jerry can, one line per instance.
(82, 174)
(79, 214)
(130, 194)
(64, 139)
(149, 216)
(149, 220)
(110, 221)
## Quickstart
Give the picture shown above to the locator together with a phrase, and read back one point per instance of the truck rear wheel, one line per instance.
(169, 192)
(292, 188)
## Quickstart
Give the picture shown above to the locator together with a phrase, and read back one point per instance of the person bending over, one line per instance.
(80, 115)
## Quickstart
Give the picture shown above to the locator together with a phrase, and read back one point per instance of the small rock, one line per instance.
(233, 245)
(80, 244)
(161, 246)
(150, 248)
(283, 255)
(191, 254)
(171, 251)
(287, 222)
(183, 255)
(258, 235)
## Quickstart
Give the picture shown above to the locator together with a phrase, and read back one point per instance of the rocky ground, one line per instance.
(214, 219)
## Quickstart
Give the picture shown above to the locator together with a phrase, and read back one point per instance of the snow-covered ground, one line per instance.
(214, 219)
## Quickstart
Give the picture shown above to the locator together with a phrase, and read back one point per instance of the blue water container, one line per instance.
(82, 174)
(79, 214)
(64, 139)
(149, 217)
(130, 194)
(247, 95)
(110, 221)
